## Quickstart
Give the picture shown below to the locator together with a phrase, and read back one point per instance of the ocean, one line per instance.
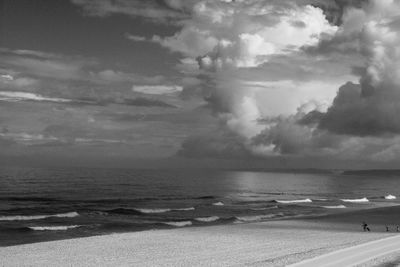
(40, 204)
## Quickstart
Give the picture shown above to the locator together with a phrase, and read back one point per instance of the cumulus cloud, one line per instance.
(245, 33)
(371, 107)
(362, 119)
(226, 38)
(304, 77)
(359, 115)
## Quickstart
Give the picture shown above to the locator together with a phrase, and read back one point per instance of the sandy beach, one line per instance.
(273, 243)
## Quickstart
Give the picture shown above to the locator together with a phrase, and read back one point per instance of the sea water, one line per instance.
(38, 204)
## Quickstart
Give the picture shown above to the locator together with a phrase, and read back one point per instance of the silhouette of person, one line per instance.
(397, 228)
(387, 228)
(365, 227)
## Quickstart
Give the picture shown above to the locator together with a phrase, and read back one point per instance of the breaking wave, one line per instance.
(307, 200)
(390, 197)
(218, 203)
(153, 210)
(163, 210)
(207, 219)
(37, 217)
(335, 207)
(179, 224)
(54, 228)
(357, 200)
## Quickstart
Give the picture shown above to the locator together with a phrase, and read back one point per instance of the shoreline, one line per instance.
(270, 243)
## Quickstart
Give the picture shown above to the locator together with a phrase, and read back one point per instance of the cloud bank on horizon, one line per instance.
(302, 79)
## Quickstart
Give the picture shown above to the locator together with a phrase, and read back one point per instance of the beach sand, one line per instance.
(273, 243)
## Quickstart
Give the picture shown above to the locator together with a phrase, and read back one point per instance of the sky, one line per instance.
(205, 83)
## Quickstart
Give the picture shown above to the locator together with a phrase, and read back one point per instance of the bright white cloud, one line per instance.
(224, 36)
(236, 34)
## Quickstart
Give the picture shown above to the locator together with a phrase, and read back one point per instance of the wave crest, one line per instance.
(156, 210)
(54, 228)
(179, 224)
(207, 219)
(153, 210)
(38, 217)
(356, 200)
(335, 207)
(390, 197)
(307, 200)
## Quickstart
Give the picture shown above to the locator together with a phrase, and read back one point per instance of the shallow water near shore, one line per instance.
(46, 204)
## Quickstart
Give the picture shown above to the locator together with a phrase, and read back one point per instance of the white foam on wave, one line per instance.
(207, 219)
(164, 210)
(390, 197)
(218, 203)
(38, 217)
(307, 200)
(54, 228)
(179, 224)
(153, 210)
(335, 207)
(185, 209)
(357, 200)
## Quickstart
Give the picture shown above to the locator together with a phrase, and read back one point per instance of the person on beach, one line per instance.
(365, 226)
(397, 228)
(387, 228)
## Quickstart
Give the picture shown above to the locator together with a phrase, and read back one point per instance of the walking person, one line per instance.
(365, 227)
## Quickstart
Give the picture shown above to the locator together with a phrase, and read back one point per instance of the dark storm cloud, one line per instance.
(354, 114)
(334, 9)
(177, 10)
(220, 144)
(154, 10)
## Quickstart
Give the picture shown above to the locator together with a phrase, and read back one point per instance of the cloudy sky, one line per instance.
(263, 83)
